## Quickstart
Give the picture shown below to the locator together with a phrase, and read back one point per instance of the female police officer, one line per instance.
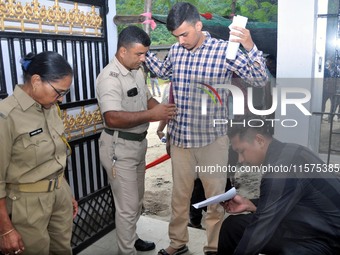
(36, 204)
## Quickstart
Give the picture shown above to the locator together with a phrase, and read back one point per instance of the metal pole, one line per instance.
(147, 8)
(233, 8)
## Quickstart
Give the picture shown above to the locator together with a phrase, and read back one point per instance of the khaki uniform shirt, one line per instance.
(113, 84)
(31, 147)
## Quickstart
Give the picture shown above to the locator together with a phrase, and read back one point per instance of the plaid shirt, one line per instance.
(189, 71)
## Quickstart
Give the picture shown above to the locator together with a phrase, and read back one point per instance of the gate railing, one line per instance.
(85, 174)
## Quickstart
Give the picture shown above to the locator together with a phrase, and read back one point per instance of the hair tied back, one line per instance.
(25, 63)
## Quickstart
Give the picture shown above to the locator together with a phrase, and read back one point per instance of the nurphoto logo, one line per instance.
(300, 97)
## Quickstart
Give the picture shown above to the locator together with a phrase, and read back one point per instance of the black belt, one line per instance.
(127, 135)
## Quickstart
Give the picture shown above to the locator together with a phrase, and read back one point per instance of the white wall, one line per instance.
(295, 64)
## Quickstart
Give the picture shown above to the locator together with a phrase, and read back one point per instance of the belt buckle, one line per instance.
(52, 184)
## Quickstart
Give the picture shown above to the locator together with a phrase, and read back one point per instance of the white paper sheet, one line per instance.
(216, 199)
(232, 48)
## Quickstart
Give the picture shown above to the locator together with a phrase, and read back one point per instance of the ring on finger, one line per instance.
(18, 251)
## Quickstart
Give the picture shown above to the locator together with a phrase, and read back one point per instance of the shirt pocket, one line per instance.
(134, 103)
(36, 149)
(131, 104)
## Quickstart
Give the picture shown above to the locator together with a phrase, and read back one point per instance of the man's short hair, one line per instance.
(249, 126)
(181, 12)
(132, 35)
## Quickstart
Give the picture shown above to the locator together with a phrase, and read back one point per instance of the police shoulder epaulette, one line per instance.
(113, 74)
(6, 106)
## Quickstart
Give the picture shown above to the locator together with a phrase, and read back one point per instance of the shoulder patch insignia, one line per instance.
(113, 74)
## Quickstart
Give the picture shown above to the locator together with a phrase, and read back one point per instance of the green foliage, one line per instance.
(129, 7)
(222, 8)
(249, 8)
(161, 36)
(266, 12)
(255, 10)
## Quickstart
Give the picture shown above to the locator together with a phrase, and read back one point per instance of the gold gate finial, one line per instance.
(35, 17)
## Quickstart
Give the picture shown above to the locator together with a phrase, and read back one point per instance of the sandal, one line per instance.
(181, 250)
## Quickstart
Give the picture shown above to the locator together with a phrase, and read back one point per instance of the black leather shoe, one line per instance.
(199, 226)
(141, 245)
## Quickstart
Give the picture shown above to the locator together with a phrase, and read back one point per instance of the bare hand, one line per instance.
(75, 207)
(164, 112)
(12, 243)
(238, 204)
(160, 134)
(243, 37)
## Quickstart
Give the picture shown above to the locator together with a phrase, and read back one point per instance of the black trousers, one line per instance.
(197, 196)
(234, 226)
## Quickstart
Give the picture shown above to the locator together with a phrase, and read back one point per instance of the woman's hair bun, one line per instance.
(26, 61)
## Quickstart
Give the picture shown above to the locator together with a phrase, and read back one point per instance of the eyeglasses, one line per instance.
(60, 93)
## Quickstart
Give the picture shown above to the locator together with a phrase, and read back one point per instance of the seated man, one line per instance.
(298, 209)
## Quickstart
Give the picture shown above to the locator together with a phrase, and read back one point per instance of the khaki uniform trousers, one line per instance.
(44, 220)
(126, 177)
(187, 165)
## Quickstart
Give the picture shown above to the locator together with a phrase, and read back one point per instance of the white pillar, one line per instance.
(295, 63)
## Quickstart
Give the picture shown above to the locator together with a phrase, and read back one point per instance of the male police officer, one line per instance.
(127, 107)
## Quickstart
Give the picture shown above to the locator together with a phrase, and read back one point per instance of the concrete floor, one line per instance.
(157, 231)
(151, 230)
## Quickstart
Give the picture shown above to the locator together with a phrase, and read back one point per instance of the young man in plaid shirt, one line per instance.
(195, 142)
